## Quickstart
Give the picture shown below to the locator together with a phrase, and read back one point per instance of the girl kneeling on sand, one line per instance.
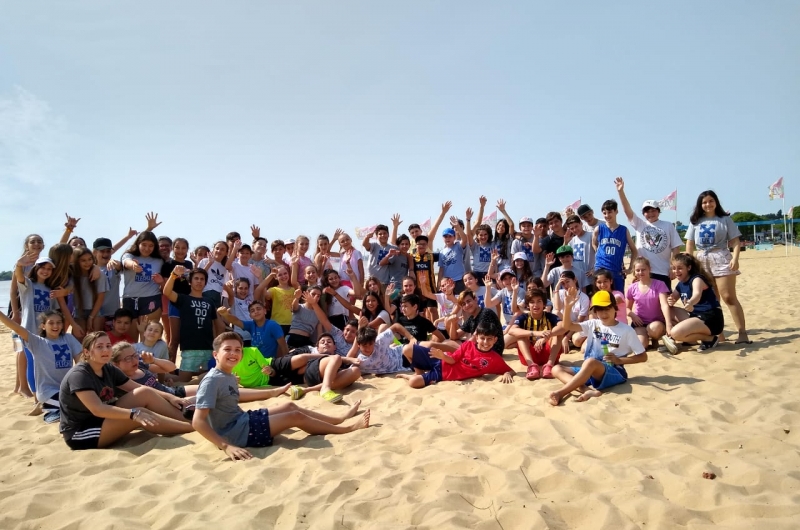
(91, 415)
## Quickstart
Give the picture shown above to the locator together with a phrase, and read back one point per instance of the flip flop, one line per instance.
(296, 392)
(332, 397)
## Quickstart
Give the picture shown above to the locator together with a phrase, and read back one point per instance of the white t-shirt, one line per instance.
(336, 307)
(243, 271)
(386, 358)
(445, 308)
(622, 339)
(581, 307)
(354, 259)
(655, 242)
(217, 275)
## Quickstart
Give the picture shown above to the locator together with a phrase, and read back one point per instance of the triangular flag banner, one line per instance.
(574, 206)
(776, 189)
(670, 202)
(426, 227)
(491, 219)
(361, 233)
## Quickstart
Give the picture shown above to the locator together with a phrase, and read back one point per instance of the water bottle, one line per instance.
(18, 346)
(604, 346)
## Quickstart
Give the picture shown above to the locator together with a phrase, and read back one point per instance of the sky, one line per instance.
(302, 117)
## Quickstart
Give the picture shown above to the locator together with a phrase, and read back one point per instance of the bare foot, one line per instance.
(589, 394)
(37, 410)
(403, 376)
(24, 393)
(281, 390)
(554, 399)
(352, 410)
(362, 423)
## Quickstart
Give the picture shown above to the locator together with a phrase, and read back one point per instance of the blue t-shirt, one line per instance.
(265, 337)
(451, 262)
(611, 245)
(708, 300)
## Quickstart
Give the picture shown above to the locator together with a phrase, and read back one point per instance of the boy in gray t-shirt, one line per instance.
(378, 251)
(220, 420)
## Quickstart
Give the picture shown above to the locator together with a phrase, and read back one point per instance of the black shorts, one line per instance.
(142, 305)
(284, 374)
(340, 321)
(712, 319)
(313, 376)
(297, 341)
(259, 434)
(87, 436)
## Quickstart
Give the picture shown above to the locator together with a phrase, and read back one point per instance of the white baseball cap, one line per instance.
(521, 255)
(526, 220)
(651, 204)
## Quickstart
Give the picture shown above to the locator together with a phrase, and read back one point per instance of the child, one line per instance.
(351, 259)
(377, 352)
(304, 320)
(647, 300)
(377, 252)
(550, 243)
(337, 297)
(700, 318)
(580, 311)
(92, 416)
(197, 315)
(151, 342)
(552, 273)
(411, 325)
(473, 315)
(451, 257)
(180, 250)
(509, 293)
(373, 311)
(399, 261)
(471, 359)
(447, 304)
(52, 353)
(480, 291)
(89, 295)
(424, 262)
(120, 326)
(239, 300)
(222, 422)
(537, 334)
(609, 346)
(582, 249)
(523, 244)
(603, 281)
(141, 294)
(480, 244)
(281, 297)
(216, 265)
(609, 242)
(266, 334)
(300, 261)
(142, 367)
(242, 268)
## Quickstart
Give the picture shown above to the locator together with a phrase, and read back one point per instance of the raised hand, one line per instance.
(298, 293)
(501, 205)
(619, 183)
(396, 221)
(29, 258)
(147, 357)
(538, 230)
(152, 221)
(550, 259)
(72, 222)
(482, 200)
(336, 234)
(446, 206)
(255, 232)
(329, 290)
(453, 221)
(514, 283)
(363, 322)
(237, 245)
(179, 270)
(572, 296)
(132, 232)
(469, 214)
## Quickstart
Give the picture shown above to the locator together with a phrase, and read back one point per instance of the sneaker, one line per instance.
(669, 344)
(533, 373)
(708, 345)
(547, 371)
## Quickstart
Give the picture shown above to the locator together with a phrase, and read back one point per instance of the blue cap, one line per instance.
(449, 232)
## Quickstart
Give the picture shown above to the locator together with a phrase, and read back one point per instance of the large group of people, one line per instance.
(101, 337)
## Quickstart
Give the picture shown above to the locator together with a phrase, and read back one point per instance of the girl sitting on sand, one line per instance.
(647, 300)
(700, 318)
(93, 417)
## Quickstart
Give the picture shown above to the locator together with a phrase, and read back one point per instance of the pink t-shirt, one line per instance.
(647, 305)
(622, 307)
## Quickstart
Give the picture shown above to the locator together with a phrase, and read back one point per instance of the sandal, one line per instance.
(296, 392)
(547, 372)
(332, 397)
(533, 373)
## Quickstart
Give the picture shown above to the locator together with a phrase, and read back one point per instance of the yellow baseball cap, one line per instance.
(601, 299)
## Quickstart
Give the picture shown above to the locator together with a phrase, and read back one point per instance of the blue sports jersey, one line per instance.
(611, 245)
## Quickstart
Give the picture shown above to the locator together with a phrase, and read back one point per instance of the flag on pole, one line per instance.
(776, 189)
(574, 206)
(361, 233)
(426, 227)
(670, 202)
(490, 219)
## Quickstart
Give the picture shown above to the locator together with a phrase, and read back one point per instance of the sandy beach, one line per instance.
(475, 455)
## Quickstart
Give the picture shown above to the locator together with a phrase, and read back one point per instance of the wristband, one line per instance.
(134, 412)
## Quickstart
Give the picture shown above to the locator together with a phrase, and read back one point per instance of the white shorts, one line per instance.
(717, 262)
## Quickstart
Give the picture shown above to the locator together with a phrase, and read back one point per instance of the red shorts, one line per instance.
(539, 357)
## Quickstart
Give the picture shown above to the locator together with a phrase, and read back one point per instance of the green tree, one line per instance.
(746, 217)
(6, 275)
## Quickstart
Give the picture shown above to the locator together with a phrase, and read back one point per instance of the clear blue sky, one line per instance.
(304, 116)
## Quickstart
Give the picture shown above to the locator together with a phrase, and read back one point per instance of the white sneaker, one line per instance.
(669, 344)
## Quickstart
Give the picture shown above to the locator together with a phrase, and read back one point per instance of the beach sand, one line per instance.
(479, 454)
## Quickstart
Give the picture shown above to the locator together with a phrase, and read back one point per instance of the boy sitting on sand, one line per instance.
(609, 346)
(473, 358)
(221, 421)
